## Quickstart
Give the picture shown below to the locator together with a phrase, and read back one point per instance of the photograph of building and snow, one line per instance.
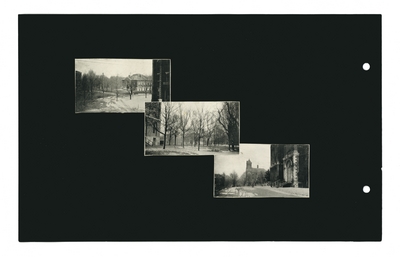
(120, 85)
(192, 128)
(262, 170)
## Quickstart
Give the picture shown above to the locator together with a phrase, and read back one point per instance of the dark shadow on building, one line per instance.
(290, 165)
(161, 80)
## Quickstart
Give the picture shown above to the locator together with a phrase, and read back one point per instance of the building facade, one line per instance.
(142, 83)
(152, 123)
(161, 80)
(290, 165)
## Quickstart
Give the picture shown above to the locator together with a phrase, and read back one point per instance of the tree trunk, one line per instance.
(130, 95)
(169, 141)
(165, 138)
(198, 149)
(175, 139)
(183, 140)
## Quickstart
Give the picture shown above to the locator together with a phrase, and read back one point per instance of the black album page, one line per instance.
(200, 128)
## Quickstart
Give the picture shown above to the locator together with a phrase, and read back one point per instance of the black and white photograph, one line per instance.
(192, 128)
(263, 170)
(120, 85)
(280, 114)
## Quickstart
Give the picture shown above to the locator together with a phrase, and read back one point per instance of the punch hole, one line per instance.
(366, 66)
(366, 189)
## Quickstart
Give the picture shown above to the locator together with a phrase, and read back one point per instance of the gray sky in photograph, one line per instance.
(259, 154)
(194, 106)
(114, 67)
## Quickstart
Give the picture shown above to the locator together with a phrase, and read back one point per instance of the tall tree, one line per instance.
(91, 76)
(198, 124)
(85, 87)
(228, 117)
(172, 128)
(234, 176)
(103, 84)
(167, 113)
(219, 183)
(209, 127)
(117, 83)
(175, 127)
(183, 122)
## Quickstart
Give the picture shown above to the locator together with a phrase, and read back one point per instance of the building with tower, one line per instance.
(253, 176)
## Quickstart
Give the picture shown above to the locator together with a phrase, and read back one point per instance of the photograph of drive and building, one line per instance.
(120, 85)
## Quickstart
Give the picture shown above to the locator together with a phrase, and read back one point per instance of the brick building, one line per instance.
(290, 165)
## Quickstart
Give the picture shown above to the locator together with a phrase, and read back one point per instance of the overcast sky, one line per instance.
(194, 106)
(259, 154)
(114, 67)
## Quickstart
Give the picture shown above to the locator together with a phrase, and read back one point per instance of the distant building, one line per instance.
(161, 80)
(254, 176)
(143, 84)
(290, 165)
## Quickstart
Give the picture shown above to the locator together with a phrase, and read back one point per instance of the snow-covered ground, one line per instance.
(188, 150)
(122, 104)
(236, 192)
(264, 191)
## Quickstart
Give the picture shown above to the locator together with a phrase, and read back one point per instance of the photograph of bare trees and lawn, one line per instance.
(192, 128)
(120, 85)
(262, 170)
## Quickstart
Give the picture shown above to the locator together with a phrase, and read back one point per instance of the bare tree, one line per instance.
(183, 122)
(116, 86)
(85, 87)
(175, 127)
(198, 124)
(228, 117)
(167, 114)
(91, 76)
(172, 127)
(131, 86)
(234, 177)
(209, 127)
(102, 85)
